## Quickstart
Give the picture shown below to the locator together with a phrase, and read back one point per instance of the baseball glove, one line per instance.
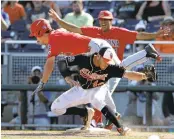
(150, 72)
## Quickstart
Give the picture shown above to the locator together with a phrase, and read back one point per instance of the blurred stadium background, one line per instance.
(19, 54)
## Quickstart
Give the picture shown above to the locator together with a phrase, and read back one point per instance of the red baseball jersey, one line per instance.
(117, 37)
(65, 42)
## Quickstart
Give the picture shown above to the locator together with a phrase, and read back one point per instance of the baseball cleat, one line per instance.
(151, 52)
(109, 124)
(87, 120)
(123, 130)
(100, 125)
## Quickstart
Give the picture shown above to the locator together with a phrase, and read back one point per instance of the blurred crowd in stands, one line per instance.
(134, 15)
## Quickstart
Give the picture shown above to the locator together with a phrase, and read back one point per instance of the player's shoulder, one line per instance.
(112, 67)
(58, 31)
(83, 55)
(81, 58)
(53, 37)
(118, 28)
(52, 34)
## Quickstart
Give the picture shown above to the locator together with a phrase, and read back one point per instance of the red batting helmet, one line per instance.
(39, 27)
(105, 15)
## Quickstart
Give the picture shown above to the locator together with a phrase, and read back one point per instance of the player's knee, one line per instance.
(57, 109)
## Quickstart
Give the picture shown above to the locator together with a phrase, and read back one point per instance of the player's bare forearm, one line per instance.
(146, 36)
(131, 75)
(68, 26)
(48, 68)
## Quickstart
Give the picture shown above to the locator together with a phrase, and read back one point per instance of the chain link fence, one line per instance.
(21, 66)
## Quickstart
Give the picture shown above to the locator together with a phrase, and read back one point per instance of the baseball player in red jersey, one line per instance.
(115, 36)
(60, 41)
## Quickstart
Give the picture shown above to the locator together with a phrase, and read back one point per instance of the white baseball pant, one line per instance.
(78, 96)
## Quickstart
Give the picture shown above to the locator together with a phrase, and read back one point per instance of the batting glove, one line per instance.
(39, 92)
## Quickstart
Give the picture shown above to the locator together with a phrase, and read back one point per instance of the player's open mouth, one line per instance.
(103, 25)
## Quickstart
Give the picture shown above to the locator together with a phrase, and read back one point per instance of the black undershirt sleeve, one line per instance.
(116, 71)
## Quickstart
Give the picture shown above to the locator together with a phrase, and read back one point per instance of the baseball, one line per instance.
(154, 137)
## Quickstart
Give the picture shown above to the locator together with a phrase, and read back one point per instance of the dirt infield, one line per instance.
(18, 134)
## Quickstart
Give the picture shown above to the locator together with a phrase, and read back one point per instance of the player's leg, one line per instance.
(97, 120)
(86, 113)
(140, 57)
(134, 60)
(99, 103)
(65, 104)
(110, 102)
(96, 45)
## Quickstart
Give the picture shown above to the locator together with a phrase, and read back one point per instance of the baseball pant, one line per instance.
(78, 96)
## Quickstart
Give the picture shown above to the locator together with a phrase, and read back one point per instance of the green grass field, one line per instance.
(18, 134)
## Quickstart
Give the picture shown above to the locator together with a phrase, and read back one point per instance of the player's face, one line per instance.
(42, 40)
(105, 24)
(103, 65)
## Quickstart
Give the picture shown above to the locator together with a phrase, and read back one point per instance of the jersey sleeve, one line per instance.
(63, 67)
(89, 31)
(128, 35)
(116, 71)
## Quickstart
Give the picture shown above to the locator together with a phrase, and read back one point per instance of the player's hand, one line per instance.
(36, 91)
(71, 82)
(53, 15)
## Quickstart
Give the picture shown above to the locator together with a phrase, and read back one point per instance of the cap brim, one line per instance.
(111, 62)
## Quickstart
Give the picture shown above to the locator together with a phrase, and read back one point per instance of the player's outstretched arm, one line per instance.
(132, 75)
(146, 36)
(63, 24)
(162, 32)
(48, 68)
